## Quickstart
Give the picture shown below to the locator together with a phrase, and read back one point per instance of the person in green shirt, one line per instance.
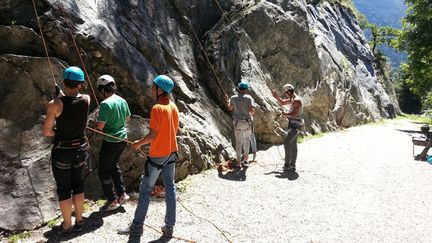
(113, 115)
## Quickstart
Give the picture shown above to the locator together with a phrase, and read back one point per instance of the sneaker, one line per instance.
(130, 230)
(245, 163)
(110, 205)
(123, 199)
(167, 232)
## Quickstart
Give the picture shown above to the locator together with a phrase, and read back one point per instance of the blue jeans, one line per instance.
(146, 187)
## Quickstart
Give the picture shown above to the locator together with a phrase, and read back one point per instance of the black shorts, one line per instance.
(67, 167)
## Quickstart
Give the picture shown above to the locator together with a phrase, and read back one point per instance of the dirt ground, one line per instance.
(357, 185)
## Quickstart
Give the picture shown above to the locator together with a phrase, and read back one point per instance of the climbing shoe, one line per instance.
(110, 205)
(123, 199)
(245, 163)
(130, 230)
(167, 231)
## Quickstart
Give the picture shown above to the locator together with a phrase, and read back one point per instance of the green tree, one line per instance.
(416, 40)
(382, 36)
(409, 102)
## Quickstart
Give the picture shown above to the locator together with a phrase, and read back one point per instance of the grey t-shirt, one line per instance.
(241, 104)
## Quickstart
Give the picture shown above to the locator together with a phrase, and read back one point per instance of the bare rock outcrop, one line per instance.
(318, 47)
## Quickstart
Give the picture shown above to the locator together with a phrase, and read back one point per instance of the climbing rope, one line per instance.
(201, 218)
(174, 237)
(43, 42)
(206, 56)
(79, 54)
(120, 139)
(224, 15)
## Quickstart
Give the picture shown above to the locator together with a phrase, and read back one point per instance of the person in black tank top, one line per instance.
(66, 121)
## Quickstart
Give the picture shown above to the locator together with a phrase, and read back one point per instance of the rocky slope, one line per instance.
(319, 48)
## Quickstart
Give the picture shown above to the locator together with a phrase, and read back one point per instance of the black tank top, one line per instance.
(72, 122)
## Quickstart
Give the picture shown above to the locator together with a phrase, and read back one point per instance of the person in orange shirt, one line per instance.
(164, 123)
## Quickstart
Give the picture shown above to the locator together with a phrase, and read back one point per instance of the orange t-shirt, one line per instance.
(164, 119)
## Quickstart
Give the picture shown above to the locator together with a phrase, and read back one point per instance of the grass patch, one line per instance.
(52, 222)
(302, 139)
(378, 122)
(416, 118)
(183, 185)
(100, 202)
(18, 237)
(86, 206)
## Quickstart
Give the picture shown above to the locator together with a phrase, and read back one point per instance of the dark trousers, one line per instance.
(67, 168)
(290, 145)
(109, 170)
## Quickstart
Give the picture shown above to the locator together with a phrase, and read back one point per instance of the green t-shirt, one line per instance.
(114, 111)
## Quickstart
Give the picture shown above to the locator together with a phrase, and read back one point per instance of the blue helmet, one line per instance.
(243, 85)
(74, 73)
(165, 83)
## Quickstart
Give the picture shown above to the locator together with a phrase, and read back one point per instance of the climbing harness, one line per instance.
(72, 144)
(160, 166)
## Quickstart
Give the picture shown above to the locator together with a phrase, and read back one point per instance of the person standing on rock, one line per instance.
(242, 106)
(68, 114)
(164, 123)
(295, 122)
(112, 117)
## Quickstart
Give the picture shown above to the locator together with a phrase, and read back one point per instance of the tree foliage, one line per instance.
(382, 36)
(409, 102)
(416, 40)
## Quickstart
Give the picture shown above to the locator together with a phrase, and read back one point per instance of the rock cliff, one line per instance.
(317, 47)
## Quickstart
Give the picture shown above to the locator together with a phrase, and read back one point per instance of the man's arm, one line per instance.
(102, 116)
(146, 140)
(280, 100)
(52, 111)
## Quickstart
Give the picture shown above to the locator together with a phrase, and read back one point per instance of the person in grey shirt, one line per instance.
(242, 106)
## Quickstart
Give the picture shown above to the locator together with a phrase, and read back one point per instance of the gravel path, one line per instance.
(357, 185)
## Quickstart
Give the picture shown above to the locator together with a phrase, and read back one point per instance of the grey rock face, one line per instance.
(318, 48)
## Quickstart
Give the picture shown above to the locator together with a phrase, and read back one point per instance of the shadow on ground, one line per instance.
(409, 131)
(234, 175)
(290, 175)
(137, 239)
(92, 223)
